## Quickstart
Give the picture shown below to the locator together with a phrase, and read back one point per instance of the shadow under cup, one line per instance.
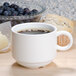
(34, 50)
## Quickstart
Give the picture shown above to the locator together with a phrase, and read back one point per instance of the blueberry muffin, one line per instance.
(62, 24)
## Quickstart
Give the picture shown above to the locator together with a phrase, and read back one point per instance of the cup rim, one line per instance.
(18, 25)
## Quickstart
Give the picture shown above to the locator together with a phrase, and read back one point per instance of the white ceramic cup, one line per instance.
(35, 50)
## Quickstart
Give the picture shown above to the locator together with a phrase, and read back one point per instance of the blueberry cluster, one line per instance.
(14, 10)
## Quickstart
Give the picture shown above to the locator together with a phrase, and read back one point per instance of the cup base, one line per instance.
(34, 65)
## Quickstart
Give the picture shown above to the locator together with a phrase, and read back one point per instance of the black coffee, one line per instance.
(34, 31)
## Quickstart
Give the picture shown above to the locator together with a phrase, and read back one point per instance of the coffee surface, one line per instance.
(33, 31)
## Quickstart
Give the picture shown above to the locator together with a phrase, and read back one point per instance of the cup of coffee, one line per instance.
(34, 44)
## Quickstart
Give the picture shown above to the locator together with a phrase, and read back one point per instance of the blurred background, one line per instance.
(65, 8)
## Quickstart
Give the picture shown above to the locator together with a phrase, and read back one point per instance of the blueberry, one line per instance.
(26, 11)
(35, 11)
(20, 10)
(30, 13)
(6, 8)
(14, 6)
(1, 11)
(6, 4)
(12, 9)
(25, 14)
(15, 13)
(10, 13)
(7, 13)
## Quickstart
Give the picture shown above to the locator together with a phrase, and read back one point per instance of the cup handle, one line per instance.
(63, 48)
